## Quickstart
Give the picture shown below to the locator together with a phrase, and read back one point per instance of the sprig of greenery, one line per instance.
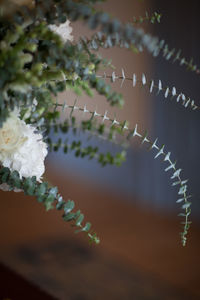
(49, 197)
(90, 151)
(175, 55)
(153, 18)
(153, 145)
(158, 87)
(89, 125)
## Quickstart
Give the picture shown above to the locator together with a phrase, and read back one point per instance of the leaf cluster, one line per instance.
(49, 197)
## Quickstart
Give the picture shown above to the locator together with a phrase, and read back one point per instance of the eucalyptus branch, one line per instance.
(153, 18)
(132, 133)
(176, 56)
(91, 127)
(151, 85)
(110, 28)
(89, 151)
(49, 197)
(102, 40)
(53, 12)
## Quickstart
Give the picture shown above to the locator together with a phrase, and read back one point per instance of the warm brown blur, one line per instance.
(139, 255)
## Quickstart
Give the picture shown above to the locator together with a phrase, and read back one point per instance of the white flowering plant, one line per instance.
(38, 60)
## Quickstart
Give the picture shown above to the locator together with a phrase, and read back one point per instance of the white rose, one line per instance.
(22, 149)
(10, 135)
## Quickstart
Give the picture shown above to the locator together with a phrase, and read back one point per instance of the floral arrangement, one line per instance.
(38, 60)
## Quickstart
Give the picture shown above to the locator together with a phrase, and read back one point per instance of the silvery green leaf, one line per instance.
(173, 91)
(182, 190)
(144, 81)
(151, 86)
(180, 200)
(166, 92)
(134, 80)
(167, 156)
(186, 205)
(176, 173)
(159, 85)
(160, 151)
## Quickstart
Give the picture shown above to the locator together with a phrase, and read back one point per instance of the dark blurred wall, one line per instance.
(176, 126)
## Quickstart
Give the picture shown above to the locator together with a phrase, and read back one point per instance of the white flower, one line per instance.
(10, 135)
(64, 30)
(22, 149)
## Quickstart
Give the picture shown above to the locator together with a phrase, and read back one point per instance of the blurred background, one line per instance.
(132, 208)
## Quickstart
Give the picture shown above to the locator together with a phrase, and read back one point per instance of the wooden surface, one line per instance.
(139, 242)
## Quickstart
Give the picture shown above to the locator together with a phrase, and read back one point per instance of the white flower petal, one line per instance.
(64, 30)
(21, 149)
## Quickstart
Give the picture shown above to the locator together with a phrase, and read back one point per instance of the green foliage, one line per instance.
(92, 152)
(49, 197)
(51, 13)
(175, 56)
(122, 129)
(152, 86)
(37, 65)
(26, 76)
(76, 146)
(153, 18)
